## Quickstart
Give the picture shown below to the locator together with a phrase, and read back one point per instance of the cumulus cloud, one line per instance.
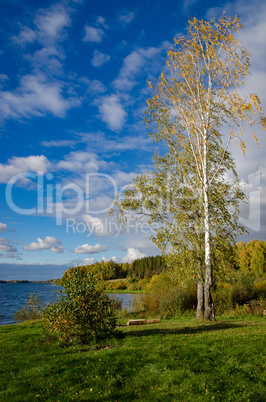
(132, 254)
(95, 225)
(93, 34)
(99, 58)
(112, 112)
(15, 165)
(88, 249)
(3, 227)
(48, 243)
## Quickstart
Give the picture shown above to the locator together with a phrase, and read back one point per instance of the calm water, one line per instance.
(13, 297)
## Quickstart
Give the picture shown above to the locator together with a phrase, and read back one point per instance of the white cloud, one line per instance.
(112, 112)
(137, 61)
(95, 225)
(114, 259)
(96, 87)
(133, 254)
(88, 249)
(41, 91)
(6, 247)
(128, 17)
(123, 178)
(87, 261)
(51, 22)
(79, 161)
(47, 60)
(36, 96)
(99, 58)
(100, 21)
(25, 36)
(93, 34)
(15, 165)
(3, 227)
(48, 243)
(58, 143)
(103, 143)
(49, 25)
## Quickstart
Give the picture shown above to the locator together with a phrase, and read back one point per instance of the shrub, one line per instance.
(31, 311)
(154, 291)
(239, 293)
(82, 312)
(260, 288)
(163, 296)
(178, 299)
(222, 298)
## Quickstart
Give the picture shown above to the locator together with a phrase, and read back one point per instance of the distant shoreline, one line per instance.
(53, 281)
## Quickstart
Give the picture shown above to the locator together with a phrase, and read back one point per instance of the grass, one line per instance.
(176, 360)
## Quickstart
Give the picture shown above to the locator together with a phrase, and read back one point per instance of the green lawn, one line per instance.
(177, 360)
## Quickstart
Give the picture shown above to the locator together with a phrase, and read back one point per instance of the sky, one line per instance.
(73, 89)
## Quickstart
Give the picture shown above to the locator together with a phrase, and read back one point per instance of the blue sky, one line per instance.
(73, 88)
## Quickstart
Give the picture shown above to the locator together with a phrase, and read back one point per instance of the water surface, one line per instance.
(13, 296)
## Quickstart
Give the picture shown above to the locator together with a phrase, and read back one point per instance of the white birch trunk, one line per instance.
(208, 303)
(200, 299)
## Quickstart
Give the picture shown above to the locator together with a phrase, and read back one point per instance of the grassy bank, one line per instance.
(124, 291)
(176, 360)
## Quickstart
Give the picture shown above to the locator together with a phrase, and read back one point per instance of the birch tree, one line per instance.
(197, 109)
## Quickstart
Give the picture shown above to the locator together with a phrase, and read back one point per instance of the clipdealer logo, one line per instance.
(66, 201)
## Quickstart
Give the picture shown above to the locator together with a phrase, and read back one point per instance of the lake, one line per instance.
(13, 297)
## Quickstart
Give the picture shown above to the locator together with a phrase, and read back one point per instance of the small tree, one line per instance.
(32, 310)
(82, 311)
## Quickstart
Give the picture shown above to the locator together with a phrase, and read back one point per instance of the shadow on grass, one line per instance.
(181, 331)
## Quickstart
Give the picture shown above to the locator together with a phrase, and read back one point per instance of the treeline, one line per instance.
(147, 267)
(139, 269)
(103, 271)
(248, 258)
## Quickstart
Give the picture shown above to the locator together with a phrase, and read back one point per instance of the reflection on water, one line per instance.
(127, 299)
